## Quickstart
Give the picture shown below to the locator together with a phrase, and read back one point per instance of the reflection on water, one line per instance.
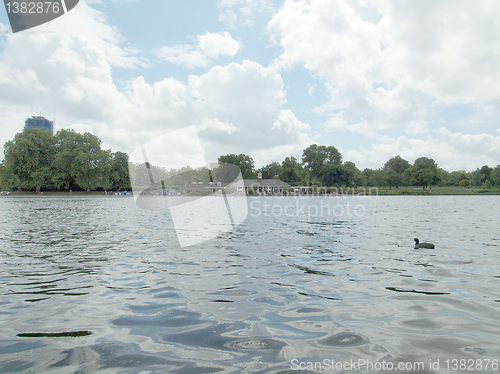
(94, 284)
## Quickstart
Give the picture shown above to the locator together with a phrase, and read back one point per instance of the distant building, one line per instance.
(256, 186)
(39, 122)
(266, 186)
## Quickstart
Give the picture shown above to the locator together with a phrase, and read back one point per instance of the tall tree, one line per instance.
(378, 178)
(67, 143)
(332, 174)
(495, 176)
(29, 158)
(90, 167)
(394, 169)
(423, 173)
(244, 162)
(290, 170)
(271, 170)
(366, 174)
(397, 164)
(119, 174)
(455, 177)
(315, 157)
(485, 173)
(351, 174)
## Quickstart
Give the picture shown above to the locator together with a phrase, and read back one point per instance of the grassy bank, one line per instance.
(60, 193)
(435, 190)
(381, 191)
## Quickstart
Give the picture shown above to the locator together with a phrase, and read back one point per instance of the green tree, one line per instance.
(464, 183)
(424, 172)
(495, 176)
(351, 175)
(366, 175)
(119, 172)
(315, 157)
(479, 176)
(244, 162)
(271, 170)
(485, 173)
(378, 178)
(475, 178)
(393, 178)
(226, 173)
(397, 164)
(394, 169)
(486, 184)
(90, 167)
(332, 174)
(29, 159)
(290, 170)
(67, 143)
(442, 177)
(455, 177)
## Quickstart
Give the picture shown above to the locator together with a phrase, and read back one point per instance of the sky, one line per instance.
(267, 78)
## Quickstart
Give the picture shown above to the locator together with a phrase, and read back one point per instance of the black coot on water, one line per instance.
(423, 245)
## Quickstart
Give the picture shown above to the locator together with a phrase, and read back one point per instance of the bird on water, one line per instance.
(423, 245)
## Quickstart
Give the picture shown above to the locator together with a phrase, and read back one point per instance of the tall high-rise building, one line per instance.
(39, 122)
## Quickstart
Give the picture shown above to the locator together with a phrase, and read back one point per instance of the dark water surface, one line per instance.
(97, 285)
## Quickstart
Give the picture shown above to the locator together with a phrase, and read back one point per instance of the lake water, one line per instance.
(290, 288)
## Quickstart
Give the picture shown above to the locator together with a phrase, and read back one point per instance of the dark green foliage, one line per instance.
(315, 157)
(291, 171)
(29, 160)
(485, 174)
(397, 164)
(244, 162)
(331, 175)
(393, 170)
(36, 160)
(271, 171)
(424, 172)
(495, 176)
(225, 173)
(119, 173)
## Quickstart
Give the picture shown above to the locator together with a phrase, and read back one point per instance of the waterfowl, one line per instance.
(423, 245)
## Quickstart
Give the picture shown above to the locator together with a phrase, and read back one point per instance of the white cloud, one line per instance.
(451, 151)
(81, 128)
(473, 144)
(392, 69)
(287, 122)
(92, 25)
(236, 108)
(244, 11)
(311, 89)
(209, 124)
(417, 128)
(210, 47)
(248, 96)
(248, 87)
(215, 44)
(3, 29)
(183, 54)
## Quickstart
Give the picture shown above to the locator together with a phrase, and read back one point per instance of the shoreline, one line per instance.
(94, 194)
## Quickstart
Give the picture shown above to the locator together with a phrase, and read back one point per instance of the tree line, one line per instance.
(322, 166)
(35, 160)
